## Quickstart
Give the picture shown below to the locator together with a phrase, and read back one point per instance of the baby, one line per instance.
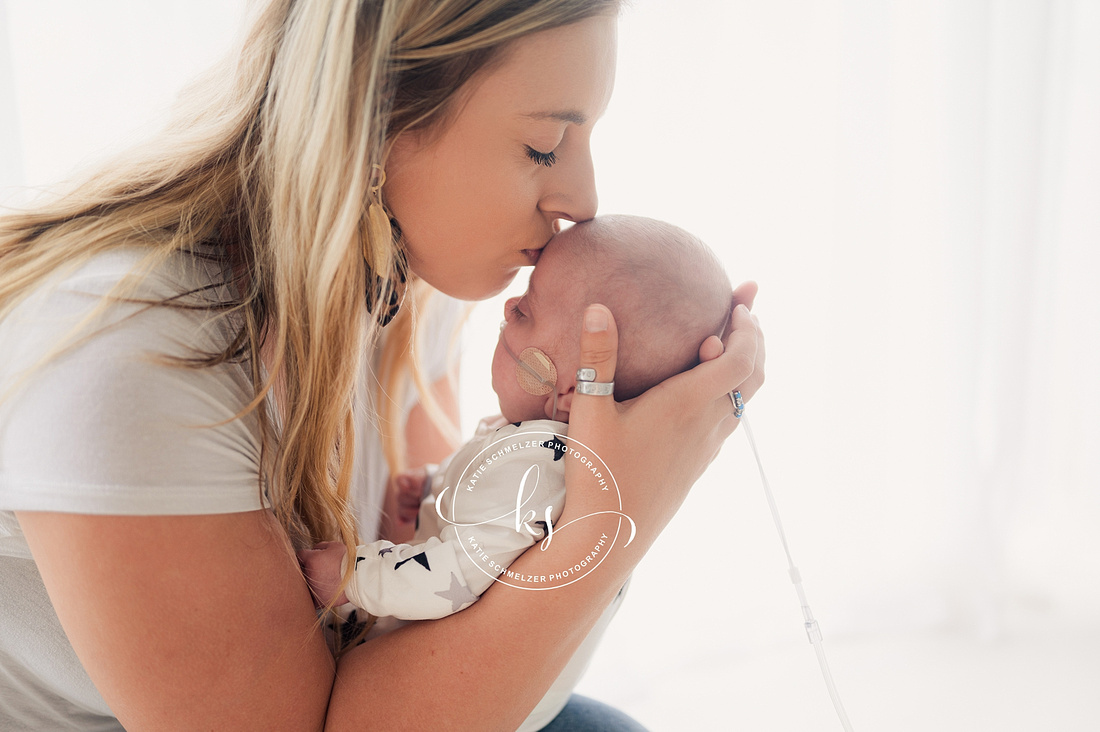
(503, 490)
(667, 292)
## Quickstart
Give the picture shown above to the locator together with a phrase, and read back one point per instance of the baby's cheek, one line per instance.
(499, 372)
(500, 381)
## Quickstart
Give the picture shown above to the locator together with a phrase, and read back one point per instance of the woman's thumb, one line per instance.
(599, 342)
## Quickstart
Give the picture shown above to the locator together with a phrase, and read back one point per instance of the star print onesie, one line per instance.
(487, 504)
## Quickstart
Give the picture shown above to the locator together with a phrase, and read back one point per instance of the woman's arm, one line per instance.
(486, 667)
(187, 622)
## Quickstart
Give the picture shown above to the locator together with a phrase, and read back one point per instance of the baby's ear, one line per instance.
(565, 401)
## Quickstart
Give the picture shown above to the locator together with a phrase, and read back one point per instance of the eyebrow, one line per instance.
(565, 115)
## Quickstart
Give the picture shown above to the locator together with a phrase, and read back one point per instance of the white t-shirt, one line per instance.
(103, 429)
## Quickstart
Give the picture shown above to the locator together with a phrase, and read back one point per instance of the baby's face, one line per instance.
(548, 318)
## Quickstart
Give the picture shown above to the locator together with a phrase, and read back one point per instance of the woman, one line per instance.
(355, 146)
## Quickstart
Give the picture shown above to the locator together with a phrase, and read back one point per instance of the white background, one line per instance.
(915, 186)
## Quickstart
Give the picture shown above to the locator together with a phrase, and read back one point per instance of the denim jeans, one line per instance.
(582, 714)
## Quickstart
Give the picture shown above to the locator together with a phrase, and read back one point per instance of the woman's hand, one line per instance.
(657, 445)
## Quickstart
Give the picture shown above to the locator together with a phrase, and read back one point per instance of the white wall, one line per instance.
(914, 186)
(91, 77)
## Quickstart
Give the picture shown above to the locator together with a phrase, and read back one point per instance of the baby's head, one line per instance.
(666, 289)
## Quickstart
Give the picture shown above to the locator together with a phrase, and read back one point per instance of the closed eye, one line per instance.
(541, 158)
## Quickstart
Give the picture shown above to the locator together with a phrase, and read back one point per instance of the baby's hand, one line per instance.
(403, 497)
(322, 568)
(409, 490)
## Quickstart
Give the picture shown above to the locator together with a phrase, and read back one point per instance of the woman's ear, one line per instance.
(564, 402)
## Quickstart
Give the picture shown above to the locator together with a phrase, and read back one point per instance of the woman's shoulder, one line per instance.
(114, 296)
(98, 413)
(141, 272)
(136, 276)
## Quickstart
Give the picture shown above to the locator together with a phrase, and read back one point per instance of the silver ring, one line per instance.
(587, 384)
(738, 404)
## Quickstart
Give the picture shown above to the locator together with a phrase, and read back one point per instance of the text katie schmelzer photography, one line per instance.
(526, 520)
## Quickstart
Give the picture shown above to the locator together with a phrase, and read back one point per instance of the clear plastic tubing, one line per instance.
(812, 629)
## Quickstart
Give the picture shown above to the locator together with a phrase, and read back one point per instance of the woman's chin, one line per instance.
(479, 287)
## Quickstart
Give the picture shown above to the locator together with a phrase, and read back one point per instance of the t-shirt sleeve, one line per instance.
(108, 427)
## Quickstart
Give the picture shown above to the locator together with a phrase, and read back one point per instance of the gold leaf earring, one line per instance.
(379, 258)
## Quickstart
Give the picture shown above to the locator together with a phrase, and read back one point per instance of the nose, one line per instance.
(572, 195)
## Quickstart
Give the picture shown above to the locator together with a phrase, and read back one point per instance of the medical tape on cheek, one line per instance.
(535, 372)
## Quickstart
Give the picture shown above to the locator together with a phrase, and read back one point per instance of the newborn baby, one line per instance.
(668, 293)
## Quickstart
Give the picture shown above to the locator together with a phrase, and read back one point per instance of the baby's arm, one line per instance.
(456, 558)
(323, 564)
(409, 581)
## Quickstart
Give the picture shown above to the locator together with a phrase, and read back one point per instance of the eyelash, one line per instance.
(517, 312)
(541, 158)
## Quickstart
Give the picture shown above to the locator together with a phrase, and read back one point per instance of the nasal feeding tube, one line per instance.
(535, 371)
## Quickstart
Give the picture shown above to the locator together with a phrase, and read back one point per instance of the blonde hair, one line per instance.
(399, 370)
(272, 162)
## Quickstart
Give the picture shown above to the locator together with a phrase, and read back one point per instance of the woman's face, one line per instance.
(479, 199)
